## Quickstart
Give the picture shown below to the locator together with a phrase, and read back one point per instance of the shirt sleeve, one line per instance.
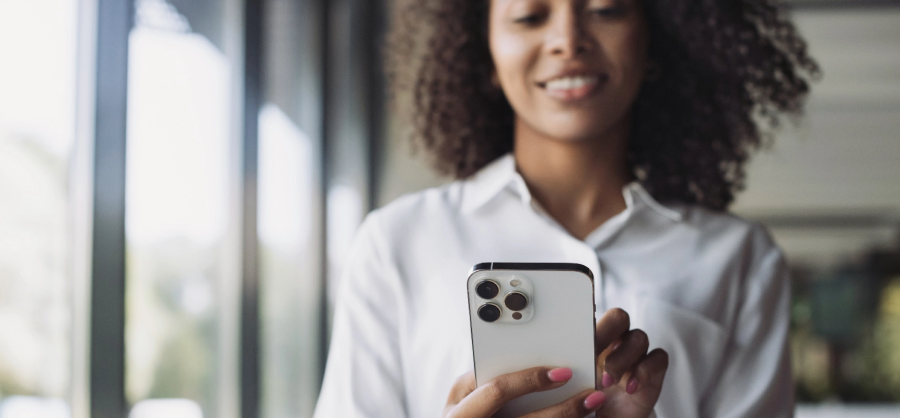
(756, 380)
(363, 376)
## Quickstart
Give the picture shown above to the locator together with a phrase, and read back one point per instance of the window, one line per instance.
(180, 161)
(186, 190)
(38, 40)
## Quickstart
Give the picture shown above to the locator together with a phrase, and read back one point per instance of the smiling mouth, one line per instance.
(573, 87)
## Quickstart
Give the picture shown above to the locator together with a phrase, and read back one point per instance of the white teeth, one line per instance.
(568, 83)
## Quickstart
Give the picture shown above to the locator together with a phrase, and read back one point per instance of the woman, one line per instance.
(611, 133)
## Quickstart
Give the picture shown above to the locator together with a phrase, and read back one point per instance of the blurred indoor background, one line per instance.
(180, 180)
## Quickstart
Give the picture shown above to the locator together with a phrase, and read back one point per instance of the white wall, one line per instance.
(841, 165)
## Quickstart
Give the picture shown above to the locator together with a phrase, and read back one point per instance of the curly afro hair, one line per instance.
(727, 72)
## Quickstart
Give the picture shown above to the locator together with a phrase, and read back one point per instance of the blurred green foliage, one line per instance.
(845, 335)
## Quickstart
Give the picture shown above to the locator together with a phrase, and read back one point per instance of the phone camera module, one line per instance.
(487, 289)
(515, 301)
(489, 312)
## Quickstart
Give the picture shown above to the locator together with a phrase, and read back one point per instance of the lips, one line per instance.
(573, 87)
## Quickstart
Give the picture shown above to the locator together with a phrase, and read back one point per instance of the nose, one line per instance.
(567, 37)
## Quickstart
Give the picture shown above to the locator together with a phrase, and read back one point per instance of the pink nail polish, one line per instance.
(632, 386)
(560, 375)
(594, 400)
(607, 380)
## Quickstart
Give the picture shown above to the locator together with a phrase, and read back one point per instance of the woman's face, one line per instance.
(571, 69)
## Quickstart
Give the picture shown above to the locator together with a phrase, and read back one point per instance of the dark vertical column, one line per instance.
(250, 333)
(323, 7)
(373, 14)
(107, 344)
(347, 94)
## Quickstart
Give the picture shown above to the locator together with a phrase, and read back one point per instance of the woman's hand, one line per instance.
(467, 401)
(632, 378)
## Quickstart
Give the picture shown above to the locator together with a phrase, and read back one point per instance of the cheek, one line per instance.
(627, 50)
(513, 59)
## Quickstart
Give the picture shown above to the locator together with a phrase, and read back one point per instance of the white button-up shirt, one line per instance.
(708, 287)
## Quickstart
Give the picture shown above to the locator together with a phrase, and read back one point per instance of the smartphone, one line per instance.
(526, 315)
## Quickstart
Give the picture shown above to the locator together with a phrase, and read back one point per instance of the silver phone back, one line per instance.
(556, 329)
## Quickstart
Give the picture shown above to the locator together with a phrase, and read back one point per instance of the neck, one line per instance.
(579, 183)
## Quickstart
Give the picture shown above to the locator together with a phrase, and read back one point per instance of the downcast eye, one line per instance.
(530, 20)
(608, 12)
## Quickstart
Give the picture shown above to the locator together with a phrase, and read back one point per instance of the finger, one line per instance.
(610, 327)
(577, 406)
(462, 387)
(625, 357)
(489, 397)
(649, 374)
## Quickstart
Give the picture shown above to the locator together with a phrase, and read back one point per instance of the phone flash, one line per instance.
(517, 315)
(514, 283)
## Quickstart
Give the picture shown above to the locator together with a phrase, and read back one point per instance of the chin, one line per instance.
(577, 131)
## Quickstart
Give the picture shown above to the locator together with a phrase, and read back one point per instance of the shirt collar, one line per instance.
(501, 175)
(488, 182)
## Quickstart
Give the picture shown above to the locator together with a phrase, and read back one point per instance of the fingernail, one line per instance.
(594, 400)
(560, 375)
(632, 386)
(607, 380)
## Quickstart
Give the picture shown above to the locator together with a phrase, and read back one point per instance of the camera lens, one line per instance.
(487, 289)
(515, 301)
(489, 312)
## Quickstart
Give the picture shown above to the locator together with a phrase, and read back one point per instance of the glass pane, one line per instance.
(289, 266)
(290, 211)
(290, 215)
(179, 136)
(37, 116)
